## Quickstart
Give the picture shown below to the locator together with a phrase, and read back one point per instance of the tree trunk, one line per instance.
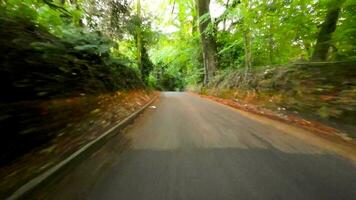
(270, 39)
(139, 38)
(208, 42)
(327, 29)
(247, 44)
(246, 31)
(224, 20)
(195, 19)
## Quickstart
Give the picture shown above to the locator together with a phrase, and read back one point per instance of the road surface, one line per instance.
(190, 148)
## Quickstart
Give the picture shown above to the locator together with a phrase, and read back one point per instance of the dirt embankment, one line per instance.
(321, 92)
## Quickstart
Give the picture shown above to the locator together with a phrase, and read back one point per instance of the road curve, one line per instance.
(189, 148)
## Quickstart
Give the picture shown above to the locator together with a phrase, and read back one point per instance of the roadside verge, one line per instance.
(38, 180)
(314, 132)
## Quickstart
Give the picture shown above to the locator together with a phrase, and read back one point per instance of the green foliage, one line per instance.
(169, 82)
(36, 64)
(147, 66)
(279, 32)
(344, 37)
(285, 31)
(178, 58)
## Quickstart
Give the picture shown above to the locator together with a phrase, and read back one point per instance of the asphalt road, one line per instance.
(189, 148)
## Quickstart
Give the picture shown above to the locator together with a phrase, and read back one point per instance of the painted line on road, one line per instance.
(30, 185)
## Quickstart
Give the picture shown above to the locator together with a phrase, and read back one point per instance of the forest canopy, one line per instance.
(247, 34)
(175, 43)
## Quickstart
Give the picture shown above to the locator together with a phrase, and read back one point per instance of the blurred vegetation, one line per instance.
(57, 49)
(61, 50)
(36, 64)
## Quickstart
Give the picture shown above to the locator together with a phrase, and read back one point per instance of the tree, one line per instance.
(139, 38)
(328, 27)
(246, 23)
(207, 40)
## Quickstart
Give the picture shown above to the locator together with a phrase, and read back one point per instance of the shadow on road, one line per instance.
(229, 173)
